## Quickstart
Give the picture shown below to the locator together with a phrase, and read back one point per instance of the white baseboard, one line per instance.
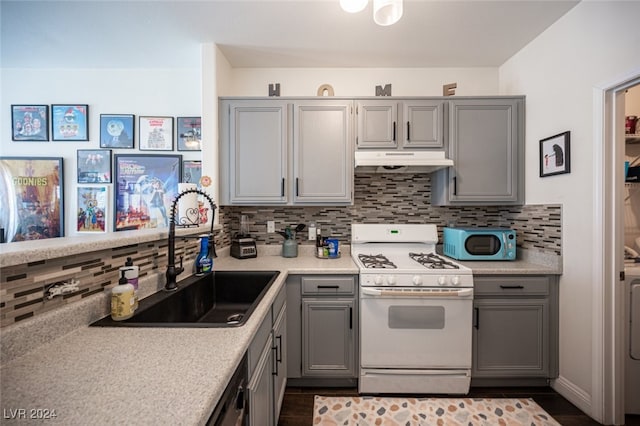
(574, 394)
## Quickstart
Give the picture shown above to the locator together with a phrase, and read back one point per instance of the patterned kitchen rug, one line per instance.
(387, 411)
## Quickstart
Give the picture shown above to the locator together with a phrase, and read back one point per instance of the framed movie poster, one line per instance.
(30, 123)
(32, 190)
(156, 133)
(189, 134)
(117, 130)
(92, 209)
(191, 171)
(70, 122)
(94, 166)
(145, 186)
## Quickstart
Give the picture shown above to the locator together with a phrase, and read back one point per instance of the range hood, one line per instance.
(401, 161)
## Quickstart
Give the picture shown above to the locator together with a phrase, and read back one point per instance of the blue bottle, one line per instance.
(204, 263)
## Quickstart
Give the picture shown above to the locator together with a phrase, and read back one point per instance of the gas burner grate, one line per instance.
(376, 261)
(432, 261)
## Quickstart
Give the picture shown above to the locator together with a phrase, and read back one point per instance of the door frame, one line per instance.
(607, 398)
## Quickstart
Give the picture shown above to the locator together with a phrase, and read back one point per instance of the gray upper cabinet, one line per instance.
(400, 123)
(486, 144)
(323, 151)
(254, 152)
(283, 152)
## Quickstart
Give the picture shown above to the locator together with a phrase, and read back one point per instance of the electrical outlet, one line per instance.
(271, 226)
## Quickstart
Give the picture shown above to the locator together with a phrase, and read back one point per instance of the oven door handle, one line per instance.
(462, 293)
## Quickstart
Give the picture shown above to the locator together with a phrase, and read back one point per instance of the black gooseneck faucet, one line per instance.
(172, 270)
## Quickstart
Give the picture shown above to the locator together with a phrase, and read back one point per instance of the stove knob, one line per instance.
(455, 280)
(378, 279)
(442, 280)
(417, 280)
(391, 280)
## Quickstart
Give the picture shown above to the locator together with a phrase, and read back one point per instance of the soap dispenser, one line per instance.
(122, 299)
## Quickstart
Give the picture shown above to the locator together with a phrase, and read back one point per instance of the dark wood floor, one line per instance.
(297, 408)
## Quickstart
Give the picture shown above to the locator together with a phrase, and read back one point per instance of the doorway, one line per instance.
(609, 295)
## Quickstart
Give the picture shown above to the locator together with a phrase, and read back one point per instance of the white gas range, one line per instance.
(415, 312)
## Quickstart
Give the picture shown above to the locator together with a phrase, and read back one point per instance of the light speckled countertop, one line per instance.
(98, 375)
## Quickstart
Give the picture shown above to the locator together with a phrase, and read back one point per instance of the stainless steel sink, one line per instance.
(219, 299)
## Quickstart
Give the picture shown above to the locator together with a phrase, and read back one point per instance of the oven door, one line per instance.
(411, 328)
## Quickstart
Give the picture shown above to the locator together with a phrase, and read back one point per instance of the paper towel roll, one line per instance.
(188, 213)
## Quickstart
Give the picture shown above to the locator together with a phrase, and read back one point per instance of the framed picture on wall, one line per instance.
(191, 171)
(94, 166)
(70, 122)
(117, 130)
(156, 133)
(555, 156)
(189, 134)
(145, 186)
(30, 123)
(92, 209)
(33, 208)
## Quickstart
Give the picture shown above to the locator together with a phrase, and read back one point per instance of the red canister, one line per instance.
(630, 124)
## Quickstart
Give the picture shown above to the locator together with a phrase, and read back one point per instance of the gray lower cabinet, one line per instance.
(268, 366)
(405, 123)
(486, 144)
(515, 329)
(323, 337)
(286, 151)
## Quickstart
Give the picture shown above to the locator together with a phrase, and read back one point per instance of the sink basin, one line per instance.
(219, 299)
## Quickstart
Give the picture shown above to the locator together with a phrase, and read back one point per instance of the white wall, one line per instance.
(152, 91)
(592, 44)
(363, 81)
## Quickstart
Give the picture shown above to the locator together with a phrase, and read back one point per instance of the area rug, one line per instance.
(384, 411)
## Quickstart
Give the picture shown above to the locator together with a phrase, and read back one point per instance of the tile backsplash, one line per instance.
(392, 198)
(401, 198)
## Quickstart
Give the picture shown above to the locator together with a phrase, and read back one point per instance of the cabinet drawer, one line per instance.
(328, 285)
(279, 302)
(511, 286)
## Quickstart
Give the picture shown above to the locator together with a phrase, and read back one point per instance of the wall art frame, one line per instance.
(69, 122)
(555, 154)
(33, 188)
(92, 209)
(155, 133)
(94, 165)
(191, 171)
(30, 123)
(117, 131)
(145, 185)
(189, 131)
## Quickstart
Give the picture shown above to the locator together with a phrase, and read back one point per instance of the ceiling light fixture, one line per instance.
(387, 12)
(353, 6)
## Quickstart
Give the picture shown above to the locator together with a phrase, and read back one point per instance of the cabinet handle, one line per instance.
(394, 131)
(408, 131)
(282, 188)
(350, 318)
(455, 185)
(296, 187)
(476, 318)
(275, 361)
(329, 286)
(511, 287)
(279, 356)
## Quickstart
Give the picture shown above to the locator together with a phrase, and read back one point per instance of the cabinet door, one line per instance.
(423, 124)
(486, 145)
(258, 152)
(323, 153)
(377, 124)
(328, 338)
(280, 361)
(511, 338)
(261, 390)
